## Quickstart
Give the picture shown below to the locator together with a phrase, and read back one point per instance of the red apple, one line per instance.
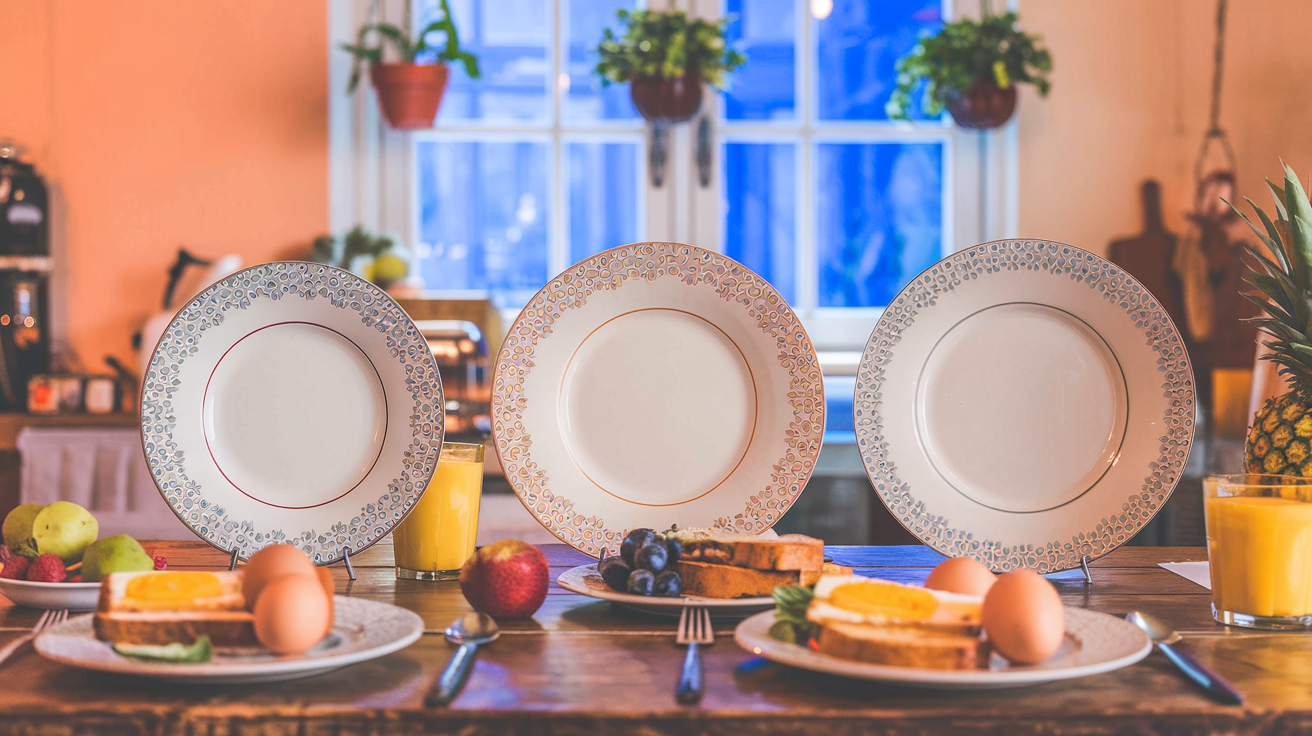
(506, 579)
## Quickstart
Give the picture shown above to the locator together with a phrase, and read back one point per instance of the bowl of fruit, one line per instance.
(52, 558)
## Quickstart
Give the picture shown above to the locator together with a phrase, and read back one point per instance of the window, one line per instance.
(537, 166)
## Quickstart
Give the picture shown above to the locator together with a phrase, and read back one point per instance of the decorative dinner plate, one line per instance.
(1095, 643)
(1024, 403)
(73, 596)
(585, 580)
(362, 630)
(292, 402)
(656, 384)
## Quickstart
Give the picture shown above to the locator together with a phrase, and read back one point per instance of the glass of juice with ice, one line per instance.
(438, 535)
(1259, 546)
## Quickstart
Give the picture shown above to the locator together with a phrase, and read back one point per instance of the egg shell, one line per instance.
(291, 614)
(964, 575)
(1023, 617)
(272, 562)
(329, 589)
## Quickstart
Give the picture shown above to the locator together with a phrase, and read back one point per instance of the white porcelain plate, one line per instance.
(656, 384)
(73, 596)
(585, 580)
(362, 630)
(1095, 643)
(292, 402)
(1025, 403)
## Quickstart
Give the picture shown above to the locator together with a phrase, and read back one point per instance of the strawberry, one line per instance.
(47, 568)
(14, 567)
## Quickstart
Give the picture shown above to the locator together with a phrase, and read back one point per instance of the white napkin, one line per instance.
(1194, 572)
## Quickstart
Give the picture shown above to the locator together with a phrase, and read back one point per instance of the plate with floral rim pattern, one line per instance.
(1025, 403)
(292, 402)
(652, 385)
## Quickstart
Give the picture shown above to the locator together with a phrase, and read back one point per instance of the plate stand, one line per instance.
(1084, 565)
(232, 563)
(346, 557)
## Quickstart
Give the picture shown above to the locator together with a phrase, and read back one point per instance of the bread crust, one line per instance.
(233, 629)
(903, 646)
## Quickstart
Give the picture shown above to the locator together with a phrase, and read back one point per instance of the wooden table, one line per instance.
(581, 667)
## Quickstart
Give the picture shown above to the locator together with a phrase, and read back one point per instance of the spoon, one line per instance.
(1163, 636)
(469, 631)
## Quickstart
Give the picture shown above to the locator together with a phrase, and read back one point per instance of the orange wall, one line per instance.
(1131, 87)
(161, 124)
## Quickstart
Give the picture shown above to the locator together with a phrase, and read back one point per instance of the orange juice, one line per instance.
(1259, 544)
(439, 534)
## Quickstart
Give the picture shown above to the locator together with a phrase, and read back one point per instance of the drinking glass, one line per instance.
(438, 535)
(1259, 545)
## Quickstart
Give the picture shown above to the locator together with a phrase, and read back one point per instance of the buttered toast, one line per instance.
(165, 607)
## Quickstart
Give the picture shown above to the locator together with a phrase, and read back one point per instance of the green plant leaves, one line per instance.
(666, 46)
(408, 49)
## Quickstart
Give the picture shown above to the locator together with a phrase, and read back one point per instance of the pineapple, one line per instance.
(1280, 438)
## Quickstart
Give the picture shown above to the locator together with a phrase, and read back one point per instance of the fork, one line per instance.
(48, 619)
(694, 630)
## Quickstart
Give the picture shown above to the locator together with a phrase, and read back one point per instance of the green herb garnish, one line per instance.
(790, 604)
(195, 653)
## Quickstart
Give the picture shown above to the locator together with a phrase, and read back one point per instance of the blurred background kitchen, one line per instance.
(152, 146)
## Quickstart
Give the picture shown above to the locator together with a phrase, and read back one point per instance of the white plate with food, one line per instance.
(362, 630)
(729, 574)
(72, 596)
(1094, 643)
(656, 384)
(292, 402)
(1025, 403)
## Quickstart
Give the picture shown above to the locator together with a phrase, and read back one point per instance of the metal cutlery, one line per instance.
(694, 631)
(48, 619)
(1163, 636)
(469, 631)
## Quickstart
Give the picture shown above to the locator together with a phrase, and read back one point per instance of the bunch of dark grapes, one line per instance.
(645, 565)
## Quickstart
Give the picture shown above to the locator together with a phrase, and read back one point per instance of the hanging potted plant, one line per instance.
(971, 68)
(409, 91)
(666, 58)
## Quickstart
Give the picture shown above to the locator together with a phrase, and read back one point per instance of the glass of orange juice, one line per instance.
(438, 535)
(1259, 546)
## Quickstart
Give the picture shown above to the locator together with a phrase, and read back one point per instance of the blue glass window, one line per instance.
(760, 211)
(603, 196)
(484, 217)
(857, 47)
(879, 218)
(587, 100)
(512, 39)
(766, 31)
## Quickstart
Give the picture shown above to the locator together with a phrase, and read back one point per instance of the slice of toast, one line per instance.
(903, 646)
(157, 611)
(711, 580)
(786, 552)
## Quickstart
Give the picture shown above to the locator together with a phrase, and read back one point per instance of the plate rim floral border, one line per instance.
(1083, 268)
(349, 293)
(606, 271)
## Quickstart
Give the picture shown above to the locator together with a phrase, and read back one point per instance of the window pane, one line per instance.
(512, 40)
(879, 218)
(603, 197)
(760, 210)
(587, 99)
(857, 48)
(763, 88)
(483, 217)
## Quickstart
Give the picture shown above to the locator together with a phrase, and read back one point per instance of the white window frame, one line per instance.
(373, 180)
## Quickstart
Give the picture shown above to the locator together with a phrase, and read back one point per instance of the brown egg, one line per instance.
(329, 588)
(291, 614)
(1023, 617)
(271, 562)
(964, 575)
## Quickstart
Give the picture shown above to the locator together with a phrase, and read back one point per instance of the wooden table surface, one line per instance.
(582, 667)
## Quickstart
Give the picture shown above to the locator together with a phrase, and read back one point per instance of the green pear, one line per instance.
(18, 529)
(119, 553)
(64, 529)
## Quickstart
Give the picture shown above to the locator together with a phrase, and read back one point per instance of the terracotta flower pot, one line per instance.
(982, 106)
(409, 93)
(667, 100)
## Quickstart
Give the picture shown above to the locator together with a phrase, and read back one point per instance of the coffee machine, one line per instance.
(24, 277)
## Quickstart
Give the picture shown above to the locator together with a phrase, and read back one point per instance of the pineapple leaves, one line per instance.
(1300, 215)
(1278, 194)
